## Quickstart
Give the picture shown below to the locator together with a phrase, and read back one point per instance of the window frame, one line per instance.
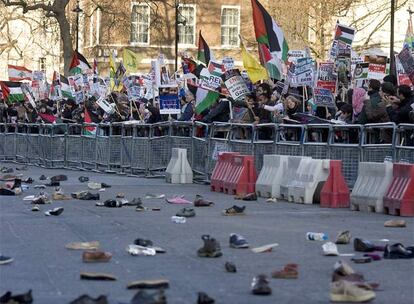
(229, 46)
(137, 43)
(189, 45)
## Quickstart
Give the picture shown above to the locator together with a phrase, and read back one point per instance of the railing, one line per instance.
(145, 150)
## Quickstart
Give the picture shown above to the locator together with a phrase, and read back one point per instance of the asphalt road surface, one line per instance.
(42, 263)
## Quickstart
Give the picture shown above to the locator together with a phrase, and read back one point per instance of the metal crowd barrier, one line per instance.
(145, 150)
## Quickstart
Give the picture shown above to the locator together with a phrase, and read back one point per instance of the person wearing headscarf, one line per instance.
(358, 97)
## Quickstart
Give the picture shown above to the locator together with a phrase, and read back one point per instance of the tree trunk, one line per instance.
(67, 45)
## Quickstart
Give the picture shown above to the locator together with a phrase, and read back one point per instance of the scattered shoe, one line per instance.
(59, 178)
(5, 260)
(53, 184)
(83, 245)
(237, 241)
(230, 267)
(104, 185)
(203, 298)
(96, 256)
(110, 204)
(343, 237)
(345, 291)
(145, 297)
(6, 170)
(265, 248)
(141, 208)
(186, 212)
(272, 200)
(97, 276)
(134, 202)
(365, 246)
(85, 195)
(55, 211)
(42, 177)
(94, 186)
(373, 256)
(41, 199)
(178, 200)
(250, 197)
(28, 180)
(398, 251)
(23, 168)
(395, 223)
(140, 250)
(290, 271)
(24, 298)
(260, 285)
(344, 272)
(39, 187)
(210, 249)
(201, 202)
(330, 249)
(86, 299)
(143, 242)
(154, 196)
(58, 195)
(35, 208)
(7, 192)
(83, 179)
(362, 260)
(120, 195)
(149, 284)
(235, 210)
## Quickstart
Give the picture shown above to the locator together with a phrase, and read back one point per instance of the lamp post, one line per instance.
(177, 23)
(77, 10)
(392, 57)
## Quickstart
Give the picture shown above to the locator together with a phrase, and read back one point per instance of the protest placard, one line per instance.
(235, 84)
(169, 101)
(294, 55)
(302, 73)
(323, 97)
(326, 76)
(228, 63)
(403, 78)
(407, 61)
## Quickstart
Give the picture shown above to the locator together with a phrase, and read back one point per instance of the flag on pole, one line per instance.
(12, 92)
(255, 71)
(112, 70)
(60, 82)
(204, 54)
(79, 64)
(271, 62)
(47, 118)
(89, 130)
(131, 60)
(344, 33)
(19, 73)
(268, 32)
(205, 99)
(409, 36)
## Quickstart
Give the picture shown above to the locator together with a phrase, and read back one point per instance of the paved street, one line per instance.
(41, 262)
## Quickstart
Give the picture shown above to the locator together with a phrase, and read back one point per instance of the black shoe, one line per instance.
(53, 184)
(17, 183)
(6, 192)
(250, 197)
(24, 298)
(260, 285)
(28, 180)
(87, 196)
(103, 185)
(55, 211)
(110, 204)
(363, 245)
(230, 267)
(134, 202)
(398, 251)
(59, 178)
(83, 179)
(85, 299)
(42, 177)
(211, 248)
(5, 260)
(143, 242)
(203, 298)
(145, 297)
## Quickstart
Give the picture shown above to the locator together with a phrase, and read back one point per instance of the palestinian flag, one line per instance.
(272, 64)
(190, 66)
(216, 68)
(79, 64)
(204, 55)
(19, 73)
(344, 33)
(12, 92)
(268, 32)
(47, 118)
(409, 36)
(204, 99)
(91, 131)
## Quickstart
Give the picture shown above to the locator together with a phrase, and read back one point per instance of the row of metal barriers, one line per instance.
(144, 149)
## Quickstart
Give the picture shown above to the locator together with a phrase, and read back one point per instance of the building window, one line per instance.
(186, 27)
(230, 26)
(140, 22)
(42, 64)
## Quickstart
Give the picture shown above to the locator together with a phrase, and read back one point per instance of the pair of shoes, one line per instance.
(86, 299)
(343, 238)
(5, 260)
(186, 212)
(330, 249)
(96, 256)
(211, 248)
(145, 297)
(290, 271)
(83, 179)
(55, 211)
(235, 210)
(110, 204)
(230, 267)
(238, 241)
(24, 298)
(398, 251)
(201, 202)
(83, 245)
(345, 291)
(260, 285)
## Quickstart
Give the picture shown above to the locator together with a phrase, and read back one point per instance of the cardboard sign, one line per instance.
(294, 55)
(326, 76)
(235, 84)
(169, 104)
(228, 63)
(38, 76)
(209, 81)
(407, 61)
(302, 73)
(376, 71)
(323, 97)
(361, 71)
(402, 76)
(27, 91)
(105, 105)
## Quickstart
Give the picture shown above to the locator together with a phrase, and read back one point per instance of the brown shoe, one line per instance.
(97, 276)
(96, 256)
(395, 223)
(201, 202)
(290, 271)
(149, 284)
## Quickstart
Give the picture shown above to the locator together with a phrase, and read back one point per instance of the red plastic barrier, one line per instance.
(241, 178)
(335, 192)
(220, 171)
(399, 198)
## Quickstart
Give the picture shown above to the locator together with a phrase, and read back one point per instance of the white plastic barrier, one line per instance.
(179, 170)
(289, 171)
(271, 175)
(308, 179)
(373, 181)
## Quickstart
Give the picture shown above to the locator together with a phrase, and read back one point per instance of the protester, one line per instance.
(359, 95)
(374, 110)
(399, 107)
(187, 104)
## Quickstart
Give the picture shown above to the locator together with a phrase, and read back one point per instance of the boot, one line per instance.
(211, 248)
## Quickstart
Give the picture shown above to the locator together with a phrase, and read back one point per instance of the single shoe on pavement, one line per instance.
(186, 212)
(230, 267)
(94, 186)
(110, 204)
(59, 178)
(24, 298)
(260, 285)
(85, 196)
(35, 208)
(59, 195)
(201, 202)
(343, 237)
(86, 299)
(140, 250)
(235, 210)
(398, 251)
(345, 291)
(96, 256)
(54, 211)
(83, 245)
(83, 179)
(149, 284)
(154, 196)
(250, 197)
(53, 184)
(290, 271)
(330, 249)
(41, 199)
(272, 200)
(98, 276)
(42, 177)
(178, 200)
(39, 187)
(135, 202)
(145, 297)
(365, 246)
(265, 248)
(395, 223)
(238, 241)
(210, 249)
(203, 298)
(5, 260)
